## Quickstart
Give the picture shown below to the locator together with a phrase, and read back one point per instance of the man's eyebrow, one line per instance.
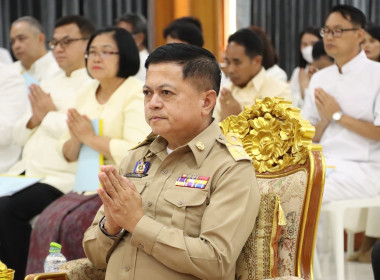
(103, 46)
(160, 86)
(65, 37)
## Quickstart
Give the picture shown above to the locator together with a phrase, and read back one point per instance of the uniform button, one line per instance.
(140, 246)
(165, 171)
(149, 203)
(180, 202)
(127, 268)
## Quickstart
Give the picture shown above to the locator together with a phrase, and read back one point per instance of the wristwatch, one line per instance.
(337, 116)
(113, 236)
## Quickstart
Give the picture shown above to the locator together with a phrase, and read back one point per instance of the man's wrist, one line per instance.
(337, 116)
(102, 228)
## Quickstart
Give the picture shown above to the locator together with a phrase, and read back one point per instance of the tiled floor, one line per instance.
(353, 270)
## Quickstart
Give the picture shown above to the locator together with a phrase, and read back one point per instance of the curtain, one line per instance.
(101, 12)
(283, 20)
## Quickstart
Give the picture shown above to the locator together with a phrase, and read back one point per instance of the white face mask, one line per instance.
(307, 54)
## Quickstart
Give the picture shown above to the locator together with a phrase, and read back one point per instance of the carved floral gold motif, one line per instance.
(272, 132)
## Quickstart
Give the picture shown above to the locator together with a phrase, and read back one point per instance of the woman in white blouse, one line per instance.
(301, 74)
(115, 97)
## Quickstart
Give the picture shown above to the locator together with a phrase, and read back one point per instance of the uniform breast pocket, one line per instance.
(188, 206)
(140, 183)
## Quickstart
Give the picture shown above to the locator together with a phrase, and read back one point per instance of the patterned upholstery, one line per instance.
(286, 278)
(258, 258)
(291, 191)
(82, 269)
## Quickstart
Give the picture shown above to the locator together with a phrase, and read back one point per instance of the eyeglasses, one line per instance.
(65, 42)
(102, 54)
(336, 33)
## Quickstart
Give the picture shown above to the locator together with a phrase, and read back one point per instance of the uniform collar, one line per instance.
(200, 146)
(41, 62)
(256, 82)
(78, 73)
(354, 63)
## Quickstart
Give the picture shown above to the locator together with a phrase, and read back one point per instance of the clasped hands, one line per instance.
(228, 104)
(326, 104)
(121, 200)
(80, 126)
(41, 104)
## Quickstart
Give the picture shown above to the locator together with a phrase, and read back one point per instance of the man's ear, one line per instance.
(361, 34)
(41, 38)
(258, 59)
(209, 101)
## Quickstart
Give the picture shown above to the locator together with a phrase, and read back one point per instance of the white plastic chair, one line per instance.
(335, 211)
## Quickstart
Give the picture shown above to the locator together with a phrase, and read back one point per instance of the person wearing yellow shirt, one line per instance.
(249, 80)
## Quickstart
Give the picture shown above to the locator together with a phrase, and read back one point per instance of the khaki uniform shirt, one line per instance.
(194, 232)
(260, 86)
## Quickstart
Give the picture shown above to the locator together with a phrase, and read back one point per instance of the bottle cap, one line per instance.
(55, 247)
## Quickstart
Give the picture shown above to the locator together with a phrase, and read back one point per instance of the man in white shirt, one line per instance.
(13, 103)
(137, 26)
(28, 46)
(244, 54)
(38, 132)
(5, 56)
(343, 102)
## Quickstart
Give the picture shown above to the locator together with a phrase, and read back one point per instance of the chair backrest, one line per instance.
(279, 142)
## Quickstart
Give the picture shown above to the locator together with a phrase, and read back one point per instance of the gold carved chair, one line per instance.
(290, 173)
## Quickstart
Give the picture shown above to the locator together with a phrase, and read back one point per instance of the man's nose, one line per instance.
(155, 102)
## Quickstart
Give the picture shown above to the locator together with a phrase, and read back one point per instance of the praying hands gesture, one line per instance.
(326, 104)
(122, 202)
(81, 131)
(228, 104)
(80, 126)
(41, 103)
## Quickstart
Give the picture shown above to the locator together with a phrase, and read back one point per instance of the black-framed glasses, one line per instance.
(102, 54)
(64, 42)
(336, 32)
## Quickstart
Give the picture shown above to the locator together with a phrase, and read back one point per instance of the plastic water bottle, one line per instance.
(55, 258)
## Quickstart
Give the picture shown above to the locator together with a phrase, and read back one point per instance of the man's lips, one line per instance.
(156, 118)
(96, 67)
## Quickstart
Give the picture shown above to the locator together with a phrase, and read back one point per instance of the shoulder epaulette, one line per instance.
(235, 147)
(149, 139)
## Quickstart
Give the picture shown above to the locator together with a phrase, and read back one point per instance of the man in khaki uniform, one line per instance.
(185, 205)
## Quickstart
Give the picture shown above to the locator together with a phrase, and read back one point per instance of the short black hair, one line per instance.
(319, 51)
(198, 64)
(185, 31)
(250, 40)
(308, 30)
(129, 59)
(374, 31)
(86, 27)
(270, 56)
(192, 20)
(138, 23)
(352, 14)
